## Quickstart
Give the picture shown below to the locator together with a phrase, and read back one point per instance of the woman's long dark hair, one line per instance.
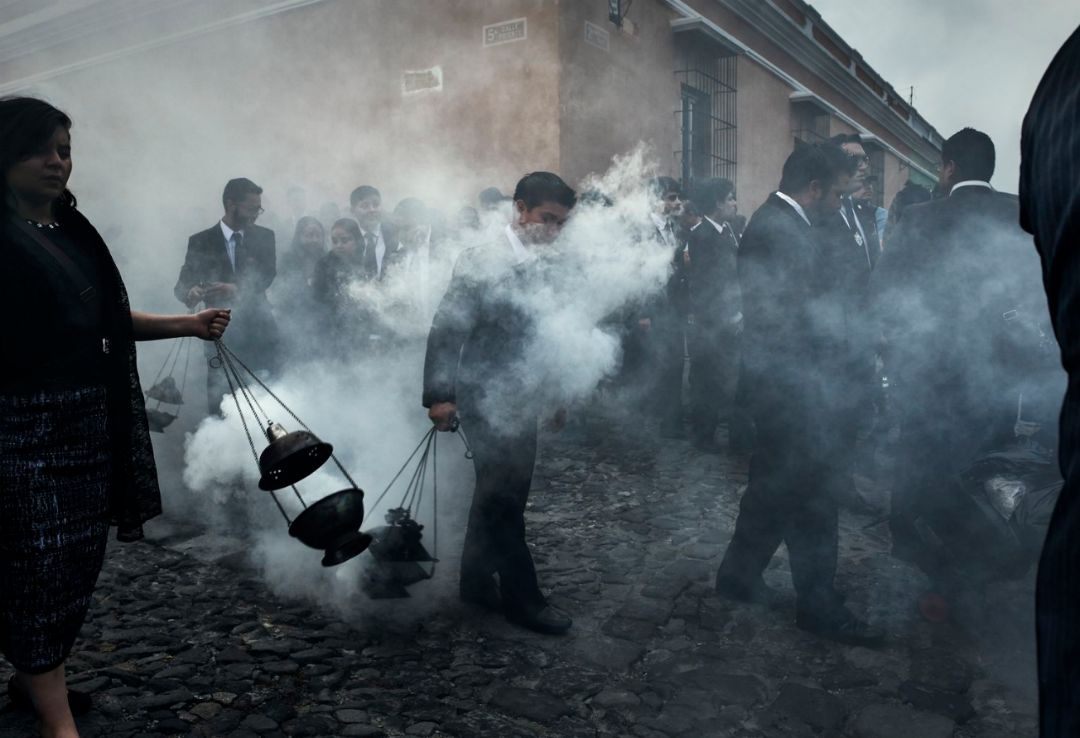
(351, 227)
(301, 226)
(26, 125)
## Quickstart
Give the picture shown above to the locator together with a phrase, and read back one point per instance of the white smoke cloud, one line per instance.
(368, 406)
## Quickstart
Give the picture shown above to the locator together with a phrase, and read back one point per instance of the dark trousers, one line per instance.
(495, 538)
(787, 500)
(1057, 594)
(669, 356)
(713, 370)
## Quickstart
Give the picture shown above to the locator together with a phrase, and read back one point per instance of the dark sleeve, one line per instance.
(192, 272)
(450, 329)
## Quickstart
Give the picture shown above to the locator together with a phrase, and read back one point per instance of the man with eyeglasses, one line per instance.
(850, 247)
(232, 264)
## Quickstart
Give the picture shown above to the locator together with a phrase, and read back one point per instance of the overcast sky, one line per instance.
(972, 62)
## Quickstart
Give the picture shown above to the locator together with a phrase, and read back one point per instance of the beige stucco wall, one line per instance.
(612, 100)
(765, 133)
(312, 97)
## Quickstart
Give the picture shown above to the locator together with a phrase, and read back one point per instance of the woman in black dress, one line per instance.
(75, 450)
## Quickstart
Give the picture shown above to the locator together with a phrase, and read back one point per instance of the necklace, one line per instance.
(49, 226)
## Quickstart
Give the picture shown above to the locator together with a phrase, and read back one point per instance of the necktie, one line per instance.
(371, 259)
(856, 227)
(238, 240)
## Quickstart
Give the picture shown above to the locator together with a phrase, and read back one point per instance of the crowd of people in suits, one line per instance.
(784, 324)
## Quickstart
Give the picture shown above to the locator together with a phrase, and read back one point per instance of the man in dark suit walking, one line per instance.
(955, 269)
(476, 369)
(715, 310)
(232, 264)
(1050, 209)
(849, 250)
(787, 499)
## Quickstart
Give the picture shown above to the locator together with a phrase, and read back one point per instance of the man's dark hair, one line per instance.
(362, 193)
(810, 162)
(26, 125)
(911, 194)
(237, 189)
(710, 193)
(536, 188)
(660, 186)
(845, 138)
(973, 153)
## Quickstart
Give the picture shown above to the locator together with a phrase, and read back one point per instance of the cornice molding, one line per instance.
(785, 34)
(23, 83)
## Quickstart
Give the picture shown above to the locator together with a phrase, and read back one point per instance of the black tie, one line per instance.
(238, 241)
(371, 259)
(849, 210)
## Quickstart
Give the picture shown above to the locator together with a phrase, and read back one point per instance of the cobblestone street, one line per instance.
(627, 535)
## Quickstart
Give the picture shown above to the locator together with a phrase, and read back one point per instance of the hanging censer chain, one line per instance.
(227, 352)
(237, 388)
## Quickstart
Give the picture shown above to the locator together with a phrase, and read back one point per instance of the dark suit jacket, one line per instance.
(1050, 209)
(478, 337)
(778, 275)
(253, 331)
(845, 270)
(954, 271)
(865, 211)
(715, 299)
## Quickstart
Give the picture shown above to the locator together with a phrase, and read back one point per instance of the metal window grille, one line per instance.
(706, 116)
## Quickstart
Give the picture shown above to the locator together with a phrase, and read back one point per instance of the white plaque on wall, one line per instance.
(505, 32)
(421, 80)
(597, 36)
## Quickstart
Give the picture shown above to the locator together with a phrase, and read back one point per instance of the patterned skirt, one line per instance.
(54, 497)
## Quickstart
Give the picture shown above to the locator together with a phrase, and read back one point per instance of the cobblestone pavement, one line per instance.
(628, 536)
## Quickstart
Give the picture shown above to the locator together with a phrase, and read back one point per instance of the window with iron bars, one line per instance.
(706, 116)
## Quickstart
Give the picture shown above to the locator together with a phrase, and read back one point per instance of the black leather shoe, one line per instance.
(548, 620)
(79, 702)
(756, 592)
(842, 626)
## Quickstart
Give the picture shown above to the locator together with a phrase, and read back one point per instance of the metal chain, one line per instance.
(226, 367)
(403, 468)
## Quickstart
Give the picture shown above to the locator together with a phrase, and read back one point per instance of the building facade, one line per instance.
(440, 98)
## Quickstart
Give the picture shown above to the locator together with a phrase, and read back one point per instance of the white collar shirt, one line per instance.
(797, 206)
(970, 183)
(230, 242)
(666, 229)
(521, 254)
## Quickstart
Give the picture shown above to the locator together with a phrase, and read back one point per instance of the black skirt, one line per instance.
(54, 520)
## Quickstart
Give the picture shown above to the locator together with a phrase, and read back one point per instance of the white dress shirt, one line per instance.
(797, 206)
(970, 183)
(666, 228)
(230, 243)
(521, 254)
